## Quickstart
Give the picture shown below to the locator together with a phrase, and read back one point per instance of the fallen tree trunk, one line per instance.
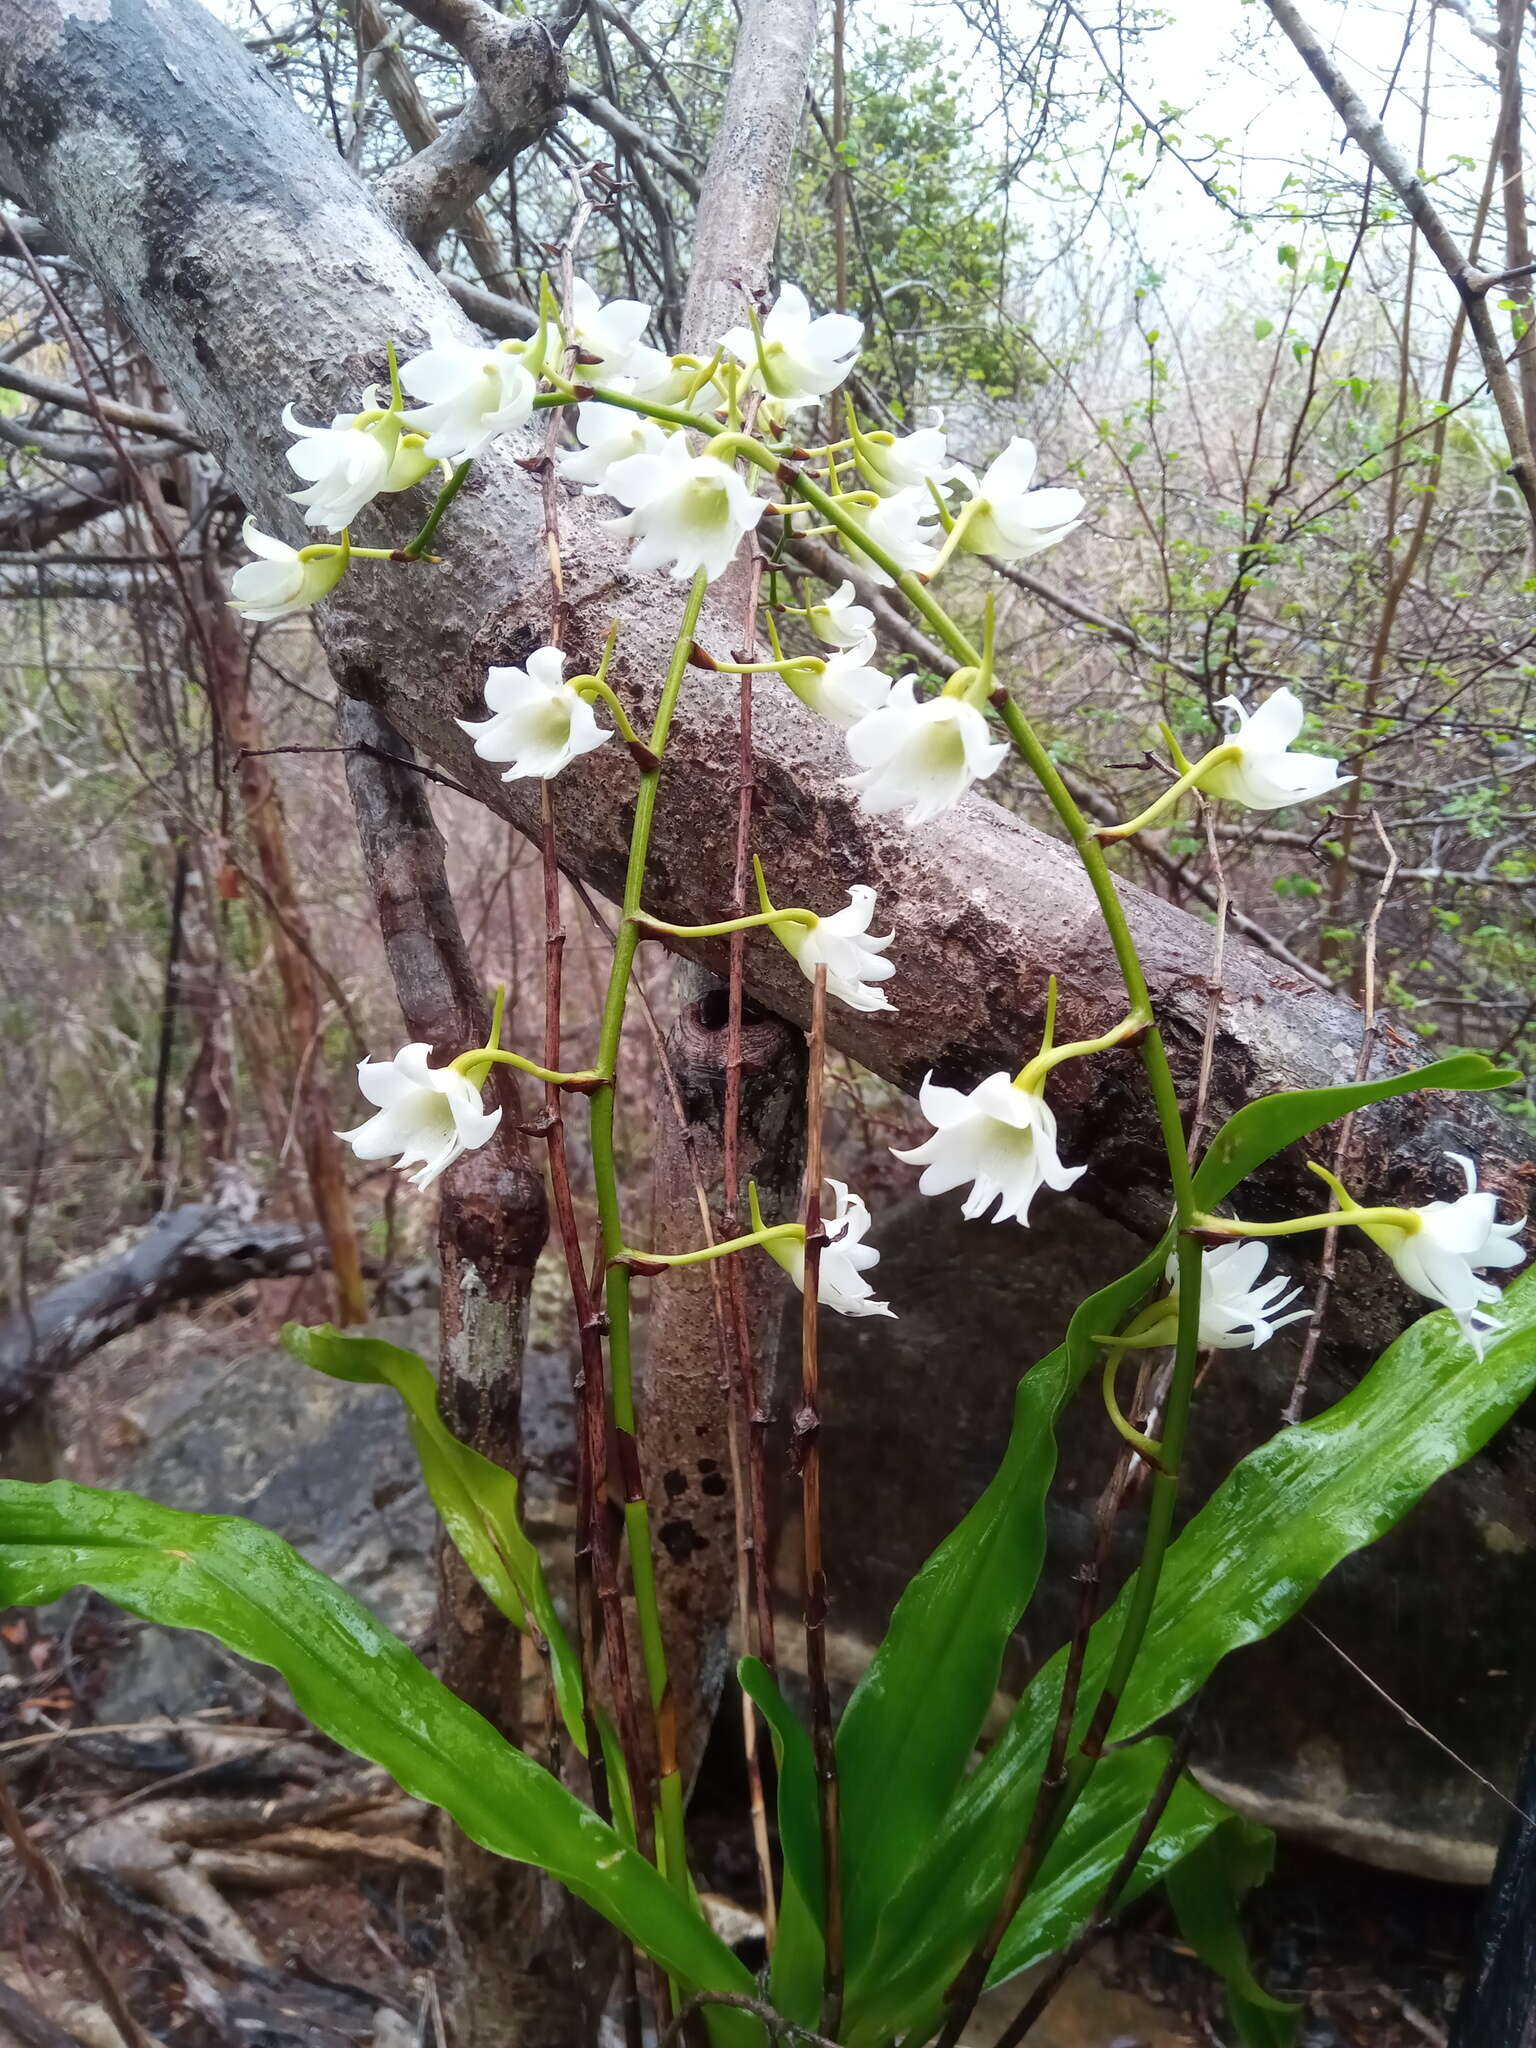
(257, 270)
(184, 1255)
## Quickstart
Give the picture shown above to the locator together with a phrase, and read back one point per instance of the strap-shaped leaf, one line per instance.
(1251, 1557)
(911, 1727)
(1261, 1129)
(477, 1500)
(1205, 1891)
(361, 1685)
(799, 1953)
(1072, 1880)
(914, 1720)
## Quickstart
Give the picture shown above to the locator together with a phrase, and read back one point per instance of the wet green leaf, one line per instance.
(1261, 1129)
(361, 1685)
(1205, 1890)
(799, 1956)
(477, 1500)
(1246, 1562)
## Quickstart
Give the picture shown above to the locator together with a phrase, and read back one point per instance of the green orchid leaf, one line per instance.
(1204, 1891)
(915, 1718)
(361, 1685)
(913, 1723)
(477, 1500)
(799, 1954)
(1073, 1879)
(1246, 1562)
(621, 1798)
(1261, 1129)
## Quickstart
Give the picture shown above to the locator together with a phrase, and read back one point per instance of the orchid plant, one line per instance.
(910, 1877)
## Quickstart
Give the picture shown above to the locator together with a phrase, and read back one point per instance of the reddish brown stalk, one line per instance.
(971, 1980)
(749, 1427)
(754, 1419)
(596, 1559)
(1099, 1919)
(807, 1446)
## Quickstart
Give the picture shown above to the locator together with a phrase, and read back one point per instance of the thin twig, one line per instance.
(70, 1919)
(807, 1448)
(779, 2028)
(1329, 1257)
(1103, 1911)
(1213, 986)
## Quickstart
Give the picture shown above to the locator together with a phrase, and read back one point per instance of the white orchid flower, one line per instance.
(538, 723)
(409, 460)
(845, 1258)
(280, 582)
(1264, 775)
(899, 462)
(903, 525)
(608, 434)
(666, 380)
(920, 758)
(470, 395)
(837, 621)
(425, 1113)
(843, 944)
(846, 688)
(802, 358)
(611, 334)
(1007, 518)
(345, 468)
(1453, 1245)
(1000, 1139)
(687, 512)
(1236, 1313)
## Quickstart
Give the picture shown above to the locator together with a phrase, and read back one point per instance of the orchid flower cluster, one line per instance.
(677, 444)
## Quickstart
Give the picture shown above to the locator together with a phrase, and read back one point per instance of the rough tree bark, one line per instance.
(688, 1410)
(491, 1228)
(687, 1439)
(256, 270)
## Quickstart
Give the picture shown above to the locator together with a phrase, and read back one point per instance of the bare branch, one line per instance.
(1379, 149)
(132, 417)
(603, 114)
(520, 85)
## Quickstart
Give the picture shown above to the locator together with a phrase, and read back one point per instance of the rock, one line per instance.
(1438, 1613)
(916, 1415)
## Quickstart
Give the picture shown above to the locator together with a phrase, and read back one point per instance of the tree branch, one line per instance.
(47, 391)
(1472, 286)
(261, 274)
(520, 86)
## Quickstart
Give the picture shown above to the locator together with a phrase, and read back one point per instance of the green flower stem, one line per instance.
(1190, 779)
(434, 518)
(620, 1354)
(811, 664)
(594, 686)
(730, 924)
(778, 1233)
(1064, 1795)
(1407, 1220)
(498, 1012)
(1033, 1076)
(396, 395)
(1160, 1509)
(671, 415)
(484, 1057)
(323, 551)
(1149, 1447)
